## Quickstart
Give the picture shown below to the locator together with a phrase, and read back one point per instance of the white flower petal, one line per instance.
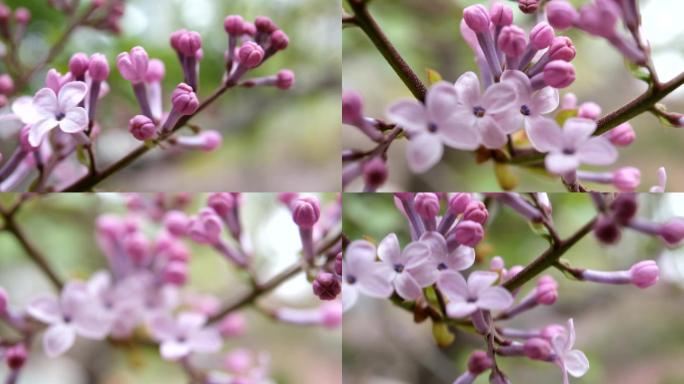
(359, 254)
(38, 131)
(45, 102)
(205, 341)
(545, 101)
(45, 309)
(544, 134)
(407, 287)
(597, 151)
(375, 283)
(440, 102)
(576, 131)
(389, 250)
(173, 350)
(494, 299)
(468, 88)
(23, 108)
(478, 281)
(408, 114)
(58, 338)
(459, 132)
(71, 94)
(560, 164)
(460, 309)
(576, 363)
(453, 285)
(491, 134)
(75, 120)
(350, 296)
(415, 253)
(461, 258)
(499, 97)
(423, 151)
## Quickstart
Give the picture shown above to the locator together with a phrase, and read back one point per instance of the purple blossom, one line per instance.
(184, 335)
(361, 273)
(478, 293)
(442, 260)
(400, 265)
(571, 361)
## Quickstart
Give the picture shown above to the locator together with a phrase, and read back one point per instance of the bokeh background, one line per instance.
(62, 227)
(427, 34)
(630, 336)
(273, 140)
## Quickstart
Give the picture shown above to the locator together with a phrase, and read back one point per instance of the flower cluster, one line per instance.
(510, 112)
(143, 295)
(432, 275)
(57, 128)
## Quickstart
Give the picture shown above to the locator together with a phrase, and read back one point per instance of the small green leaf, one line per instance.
(565, 114)
(442, 334)
(507, 179)
(433, 76)
(81, 155)
(639, 72)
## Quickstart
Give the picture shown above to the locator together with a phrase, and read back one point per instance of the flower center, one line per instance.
(441, 266)
(351, 279)
(432, 127)
(60, 116)
(568, 151)
(525, 110)
(398, 268)
(479, 111)
(67, 319)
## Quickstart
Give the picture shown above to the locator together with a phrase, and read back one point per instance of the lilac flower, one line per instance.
(431, 126)
(477, 293)
(485, 112)
(572, 361)
(70, 315)
(400, 264)
(533, 105)
(442, 261)
(361, 273)
(184, 335)
(49, 110)
(572, 145)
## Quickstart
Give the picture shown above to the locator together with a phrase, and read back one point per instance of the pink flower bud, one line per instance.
(477, 18)
(285, 79)
(514, 270)
(306, 211)
(222, 202)
(331, 314)
(501, 14)
(458, 203)
(562, 49)
(178, 252)
(326, 286)
(599, 17)
(155, 71)
(175, 273)
(142, 127)
(624, 207)
(537, 349)
(249, 29)
(98, 69)
(469, 233)
(204, 141)
(234, 25)
(22, 15)
(6, 84)
(644, 273)
(16, 356)
(559, 74)
(279, 40)
(233, 325)
(606, 230)
(3, 301)
(551, 331)
(476, 211)
(547, 290)
(265, 24)
(176, 223)
(622, 136)
(338, 264)
(497, 263)
(427, 205)
(188, 43)
(589, 110)
(512, 41)
(137, 247)
(627, 179)
(673, 231)
(352, 107)
(5, 13)
(78, 64)
(250, 54)
(569, 101)
(479, 362)
(133, 65)
(184, 100)
(375, 172)
(206, 227)
(561, 14)
(528, 6)
(541, 36)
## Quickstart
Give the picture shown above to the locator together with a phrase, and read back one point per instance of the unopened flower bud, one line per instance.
(16, 356)
(222, 202)
(142, 127)
(512, 41)
(133, 65)
(427, 205)
(78, 64)
(250, 54)
(338, 264)
(501, 14)
(551, 331)
(234, 25)
(562, 48)
(561, 14)
(331, 314)
(6, 84)
(469, 233)
(285, 79)
(589, 110)
(477, 18)
(98, 68)
(479, 362)
(528, 6)
(541, 36)
(476, 211)
(547, 290)
(538, 349)
(375, 173)
(265, 24)
(559, 74)
(175, 273)
(352, 107)
(306, 211)
(155, 71)
(606, 230)
(326, 286)
(233, 325)
(458, 203)
(673, 231)
(204, 141)
(627, 179)
(184, 100)
(645, 273)
(176, 223)
(279, 40)
(22, 15)
(622, 136)
(137, 247)
(624, 207)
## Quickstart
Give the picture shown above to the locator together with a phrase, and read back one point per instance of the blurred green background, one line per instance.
(427, 34)
(630, 336)
(273, 140)
(62, 227)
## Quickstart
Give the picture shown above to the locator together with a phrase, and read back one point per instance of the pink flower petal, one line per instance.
(468, 88)
(360, 253)
(407, 287)
(350, 296)
(23, 108)
(45, 309)
(597, 151)
(460, 309)
(71, 94)
(544, 134)
(75, 120)
(91, 323)
(494, 299)
(576, 363)
(499, 98)
(410, 115)
(58, 338)
(544, 101)
(375, 283)
(461, 258)
(173, 350)
(162, 327)
(491, 133)
(440, 101)
(478, 281)
(190, 321)
(45, 102)
(425, 273)
(559, 164)
(453, 285)
(520, 82)
(459, 132)
(437, 244)
(423, 151)
(576, 131)
(38, 130)
(389, 251)
(205, 341)
(415, 253)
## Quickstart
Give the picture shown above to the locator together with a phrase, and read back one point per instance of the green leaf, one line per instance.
(639, 72)
(565, 114)
(433, 76)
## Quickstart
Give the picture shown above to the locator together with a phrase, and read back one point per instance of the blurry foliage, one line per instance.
(427, 35)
